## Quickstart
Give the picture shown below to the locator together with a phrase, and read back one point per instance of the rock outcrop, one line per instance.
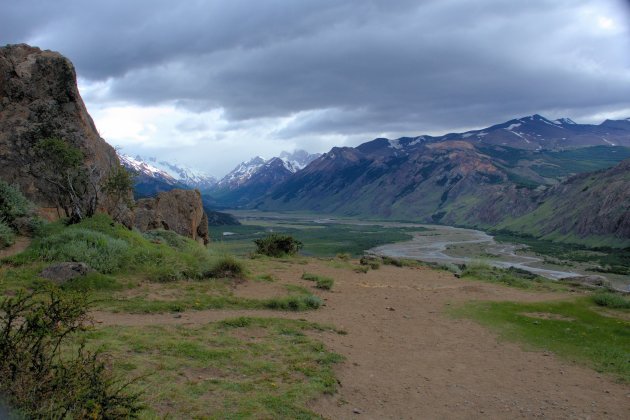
(60, 273)
(178, 210)
(39, 99)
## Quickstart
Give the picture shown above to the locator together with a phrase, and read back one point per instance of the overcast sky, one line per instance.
(213, 83)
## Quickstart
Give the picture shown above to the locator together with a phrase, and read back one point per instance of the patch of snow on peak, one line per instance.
(567, 121)
(417, 140)
(395, 144)
(521, 136)
(513, 126)
(298, 160)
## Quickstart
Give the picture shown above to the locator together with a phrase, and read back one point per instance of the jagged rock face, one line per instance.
(39, 99)
(178, 210)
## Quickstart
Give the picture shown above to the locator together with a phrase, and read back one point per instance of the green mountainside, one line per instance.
(592, 208)
(451, 182)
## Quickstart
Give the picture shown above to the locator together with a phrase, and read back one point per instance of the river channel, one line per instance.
(445, 244)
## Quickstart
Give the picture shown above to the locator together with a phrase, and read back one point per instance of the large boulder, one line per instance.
(39, 99)
(178, 210)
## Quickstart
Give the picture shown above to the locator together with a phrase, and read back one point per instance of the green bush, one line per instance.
(225, 266)
(361, 269)
(7, 236)
(101, 252)
(400, 262)
(42, 372)
(324, 283)
(169, 238)
(110, 248)
(514, 277)
(344, 256)
(453, 268)
(277, 245)
(12, 203)
(373, 262)
(611, 300)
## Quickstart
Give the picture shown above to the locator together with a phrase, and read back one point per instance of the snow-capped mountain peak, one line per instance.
(241, 173)
(298, 159)
(245, 171)
(140, 166)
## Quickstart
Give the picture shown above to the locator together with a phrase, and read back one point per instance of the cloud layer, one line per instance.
(276, 73)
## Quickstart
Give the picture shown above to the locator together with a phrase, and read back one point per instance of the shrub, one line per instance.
(361, 269)
(15, 214)
(170, 238)
(101, 252)
(512, 276)
(109, 247)
(277, 245)
(611, 300)
(12, 203)
(400, 262)
(41, 376)
(294, 303)
(225, 266)
(370, 261)
(7, 237)
(344, 256)
(453, 268)
(324, 283)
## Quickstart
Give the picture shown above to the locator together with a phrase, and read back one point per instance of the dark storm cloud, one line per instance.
(341, 66)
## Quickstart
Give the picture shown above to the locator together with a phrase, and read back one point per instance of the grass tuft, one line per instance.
(611, 300)
(225, 266)
(321, 282)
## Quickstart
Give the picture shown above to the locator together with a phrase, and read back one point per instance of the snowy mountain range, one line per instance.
(167, 172)
(258, 167)
(533, 132)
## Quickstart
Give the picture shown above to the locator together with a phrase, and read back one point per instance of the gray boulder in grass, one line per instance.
(60, 273)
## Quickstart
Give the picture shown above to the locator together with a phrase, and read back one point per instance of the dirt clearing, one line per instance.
(407, 358)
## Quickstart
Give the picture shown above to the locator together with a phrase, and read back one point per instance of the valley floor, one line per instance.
(407, 357)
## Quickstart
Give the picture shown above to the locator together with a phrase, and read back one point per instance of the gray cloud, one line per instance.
(342, 67)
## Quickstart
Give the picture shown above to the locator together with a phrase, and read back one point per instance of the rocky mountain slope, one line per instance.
(589, 207)
(451, 181)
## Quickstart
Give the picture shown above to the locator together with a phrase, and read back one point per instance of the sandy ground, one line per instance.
(407, 359)
(21, 243)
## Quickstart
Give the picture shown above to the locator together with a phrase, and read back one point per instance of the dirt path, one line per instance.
(21, 243)
(405, 358)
